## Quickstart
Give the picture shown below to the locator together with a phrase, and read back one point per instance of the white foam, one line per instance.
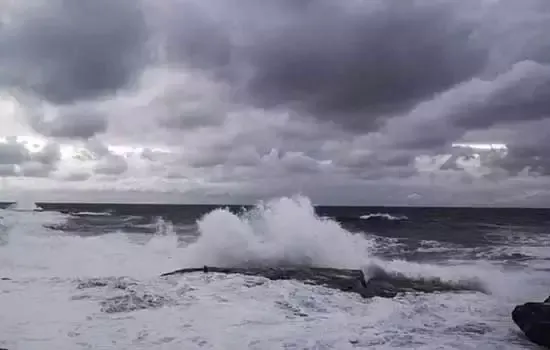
(386, 216)
(24, 205)
(92, 213)
(282, 231)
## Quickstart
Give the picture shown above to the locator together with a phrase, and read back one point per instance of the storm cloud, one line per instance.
(65, 50)
(321, 96)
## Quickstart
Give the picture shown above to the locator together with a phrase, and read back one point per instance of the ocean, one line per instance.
(86, 276)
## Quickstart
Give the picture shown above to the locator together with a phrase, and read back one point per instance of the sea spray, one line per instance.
(287, 232)
(284, 231)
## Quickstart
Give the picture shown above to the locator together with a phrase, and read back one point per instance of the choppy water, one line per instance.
(86, 277)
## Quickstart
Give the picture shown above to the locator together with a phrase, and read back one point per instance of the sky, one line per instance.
(360, 102)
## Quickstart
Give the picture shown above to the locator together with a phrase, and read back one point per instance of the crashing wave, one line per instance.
(91, 213)
(386, 216)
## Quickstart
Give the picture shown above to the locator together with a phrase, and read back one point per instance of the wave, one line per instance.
(69, 280)
(284, 231)
(24, 207)
(279, 233)
(92, 213)
(386, 216)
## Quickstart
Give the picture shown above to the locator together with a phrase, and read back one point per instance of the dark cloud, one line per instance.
(530, 152)
(358, 68)
(36, 169)
(77, 177)
(64, 50)
(50, 154)
(71, 124)
(111, 165)
(8, 170)
(13, 153)
(95, 149)
(350, 65)
(17, 160)
(356, 65)
(522, 94)
(314, 94)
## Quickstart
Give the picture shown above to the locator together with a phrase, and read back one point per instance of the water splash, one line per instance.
(285, 231)
(24, 204)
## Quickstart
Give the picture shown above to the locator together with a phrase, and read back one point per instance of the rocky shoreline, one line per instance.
(533, 318)
(373, 283)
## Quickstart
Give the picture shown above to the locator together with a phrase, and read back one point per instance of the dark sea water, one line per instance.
(417, 233)
(47, 253)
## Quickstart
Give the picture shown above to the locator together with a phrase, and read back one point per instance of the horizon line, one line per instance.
(425, 206)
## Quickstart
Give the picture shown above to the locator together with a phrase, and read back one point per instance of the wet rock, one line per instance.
(133, 301)
(113, 282)
(377, 283)
(534, 321)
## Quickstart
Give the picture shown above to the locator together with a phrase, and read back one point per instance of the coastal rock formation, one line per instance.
(378, 284)
(534, 320)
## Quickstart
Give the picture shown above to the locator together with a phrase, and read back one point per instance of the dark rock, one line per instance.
(133, 301)
(534, 320)
(113, 282)
(379, 282)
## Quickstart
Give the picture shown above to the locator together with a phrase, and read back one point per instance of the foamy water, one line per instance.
(42, 306)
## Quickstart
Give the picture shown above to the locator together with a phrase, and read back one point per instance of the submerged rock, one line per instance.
(534, 320)
(378, 284)
(132, 302)
(113, 282)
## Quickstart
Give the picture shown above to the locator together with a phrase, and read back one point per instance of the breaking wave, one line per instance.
(386, 216)
(281, 232)
(285, 231)
(98, 289)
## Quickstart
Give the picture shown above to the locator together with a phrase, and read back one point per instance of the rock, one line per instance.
(133, 301)
(534, 320)
(378, 284)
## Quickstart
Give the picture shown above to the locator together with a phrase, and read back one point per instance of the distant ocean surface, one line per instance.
(63, 266)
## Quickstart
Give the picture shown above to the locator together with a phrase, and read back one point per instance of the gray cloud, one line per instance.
(17, 160)
(357, 67)
(69, 123)
(49, 155)
(522, 94)
(65, 51)
(304, 95)
(13, 153)
(36, 169)
(77, 177)
(8, 170)
(360, 67)
(111, 165)
(349, 65)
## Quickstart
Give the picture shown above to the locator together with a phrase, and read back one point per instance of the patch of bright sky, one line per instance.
(481, 146)
(69, 150)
